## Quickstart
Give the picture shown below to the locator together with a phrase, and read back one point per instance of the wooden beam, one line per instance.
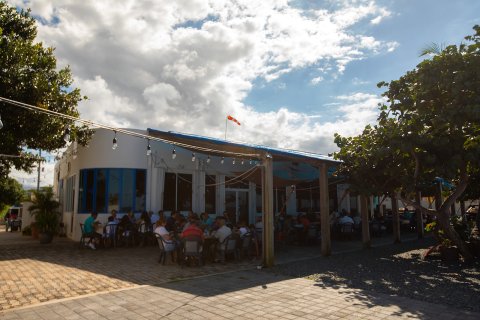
(268, 214)
(324, 211)
(365, 222)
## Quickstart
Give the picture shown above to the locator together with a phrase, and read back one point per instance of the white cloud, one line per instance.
(162, 63)
(316, 80)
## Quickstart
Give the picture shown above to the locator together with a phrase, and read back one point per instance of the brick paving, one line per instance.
(61, 281)
(31, 273)
(247, 294)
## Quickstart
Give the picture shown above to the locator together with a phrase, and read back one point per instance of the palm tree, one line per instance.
(45, 211)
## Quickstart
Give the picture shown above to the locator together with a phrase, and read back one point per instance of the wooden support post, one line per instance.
(395, 220)
(268, 214)
(365, 222)
(419, 215)
(324, 211)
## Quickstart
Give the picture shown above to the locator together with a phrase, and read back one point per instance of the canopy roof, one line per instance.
(289, 166)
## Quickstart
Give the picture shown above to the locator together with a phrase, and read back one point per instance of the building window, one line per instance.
(177, 194)
(210, 194)
(103, 190)
(70, 194)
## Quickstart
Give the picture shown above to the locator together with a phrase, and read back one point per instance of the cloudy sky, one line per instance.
(292, 72)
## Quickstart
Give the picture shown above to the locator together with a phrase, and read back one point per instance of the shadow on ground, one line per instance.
(396, 270)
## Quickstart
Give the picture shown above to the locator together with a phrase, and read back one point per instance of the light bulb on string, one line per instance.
(66, 136)
(1, 123)
(242, 162)
(114, 141)
(193, 156)
(233, 161)
(208, 159)
(149, 149)
(174, 154)
(223, 160)
(250, 161)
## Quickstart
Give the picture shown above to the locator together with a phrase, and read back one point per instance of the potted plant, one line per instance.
(45, 211)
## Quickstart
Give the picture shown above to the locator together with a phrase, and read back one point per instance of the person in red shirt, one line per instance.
(193, 230)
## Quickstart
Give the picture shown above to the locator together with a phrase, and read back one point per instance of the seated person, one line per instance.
(345, 219)
(242, 229)
(222, 232)
(89, 227)
(206, 220)
(113, 214)
(193, 230)
(168, 241)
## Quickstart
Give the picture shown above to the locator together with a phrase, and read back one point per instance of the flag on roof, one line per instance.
(233, 119)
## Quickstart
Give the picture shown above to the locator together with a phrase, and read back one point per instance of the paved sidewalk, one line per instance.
(248, 294)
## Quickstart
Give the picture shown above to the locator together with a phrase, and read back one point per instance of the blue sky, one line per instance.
(413, 24)
(292, 72)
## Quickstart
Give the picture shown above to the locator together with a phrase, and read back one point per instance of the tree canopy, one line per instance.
(28, 73)
(11, 192)
(428, 128)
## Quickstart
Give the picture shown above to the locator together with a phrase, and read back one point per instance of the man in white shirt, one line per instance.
(345, 220)
(223, 232)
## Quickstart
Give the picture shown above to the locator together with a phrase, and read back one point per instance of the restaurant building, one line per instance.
(175, 171)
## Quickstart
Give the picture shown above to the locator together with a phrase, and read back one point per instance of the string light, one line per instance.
(174, 154)
(1, 123)
(233, 161)
(250, 161)
(223, 160)
(90, 123)
(149, 149)
(208, 159)
(66, 136)
(242, 162)
(114, 145)
(193, 156)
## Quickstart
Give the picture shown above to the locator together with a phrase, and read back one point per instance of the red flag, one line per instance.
(233, 119)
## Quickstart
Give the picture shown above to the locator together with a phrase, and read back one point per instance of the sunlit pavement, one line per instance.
(61, 281)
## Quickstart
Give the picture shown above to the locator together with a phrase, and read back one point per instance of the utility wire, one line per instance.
(90, 123)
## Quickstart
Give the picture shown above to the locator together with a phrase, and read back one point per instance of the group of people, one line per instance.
(172, 229)
(115, 229)
(176, 227)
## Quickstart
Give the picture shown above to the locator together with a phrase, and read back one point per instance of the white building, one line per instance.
(99, 178)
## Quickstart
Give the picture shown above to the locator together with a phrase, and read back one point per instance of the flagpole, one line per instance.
(226, 120)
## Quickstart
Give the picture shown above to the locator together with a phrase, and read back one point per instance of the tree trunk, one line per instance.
(443, 219)
(395, 220)
(419, 215)
(462, 209)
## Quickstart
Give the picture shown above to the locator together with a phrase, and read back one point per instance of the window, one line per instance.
(103, 190)
(279, 199)
(210, 194)
(100, 194)
(70, 194)
(177, 194)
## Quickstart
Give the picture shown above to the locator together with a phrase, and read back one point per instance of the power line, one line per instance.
(90, 123)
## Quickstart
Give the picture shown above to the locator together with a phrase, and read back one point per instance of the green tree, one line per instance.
(28, 73)
(430, 127)
(11, 192)
(45, 210)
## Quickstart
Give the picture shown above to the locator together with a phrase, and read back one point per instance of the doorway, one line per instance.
(236, 205)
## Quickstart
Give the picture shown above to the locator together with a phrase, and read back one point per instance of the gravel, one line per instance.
(396, 270)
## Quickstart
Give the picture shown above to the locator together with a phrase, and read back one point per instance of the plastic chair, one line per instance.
(346, 230)
(110, 235)
(163, 249)
(192, 250)
(246, 245)
(229, 247)
(84, 236)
